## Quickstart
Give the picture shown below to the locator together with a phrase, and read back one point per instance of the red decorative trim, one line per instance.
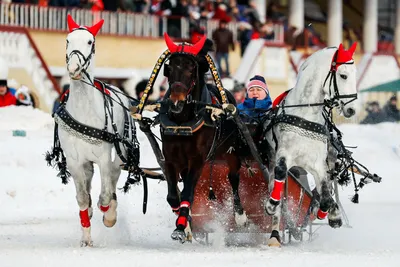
(100, 87)
(26, 32)
(280, 98)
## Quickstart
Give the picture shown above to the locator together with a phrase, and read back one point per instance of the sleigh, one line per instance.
(216, 215)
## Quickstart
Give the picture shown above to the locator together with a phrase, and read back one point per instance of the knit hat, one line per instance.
(258, 81)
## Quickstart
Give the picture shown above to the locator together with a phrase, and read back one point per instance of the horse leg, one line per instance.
(275, 239)
(89, 171)
(334, 214)
(183, 231)
(173, 198)
(234, 179)
(82, 184)
(280, 172)
(108, 199)
(273, 205)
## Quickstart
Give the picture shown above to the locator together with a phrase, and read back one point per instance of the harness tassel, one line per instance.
(354, 199)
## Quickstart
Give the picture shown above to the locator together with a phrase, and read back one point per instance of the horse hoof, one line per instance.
(275, 239)
(86, 243)
(109, 223)
(179, 235)
(274, 242)
(337, 223)
(241, 219)
(270, 206)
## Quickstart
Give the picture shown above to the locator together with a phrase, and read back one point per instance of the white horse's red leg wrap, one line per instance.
(183, 214)
(276, 192)
(321, 214)
(104, 208)
(84, 215)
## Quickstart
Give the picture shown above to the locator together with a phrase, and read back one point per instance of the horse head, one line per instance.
(80, 48)
(344, 87)
(329, 74)
(185, 73)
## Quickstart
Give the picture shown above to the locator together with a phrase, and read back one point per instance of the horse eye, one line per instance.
(344, 77)
(90, 42)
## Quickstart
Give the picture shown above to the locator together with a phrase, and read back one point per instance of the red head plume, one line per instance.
(72, 25)
(343, 56)
(184, 48)
(95, 28)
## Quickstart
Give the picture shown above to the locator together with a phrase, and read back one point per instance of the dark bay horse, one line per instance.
(188, 135)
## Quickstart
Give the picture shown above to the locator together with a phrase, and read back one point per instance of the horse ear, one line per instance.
(340, 47)
(172, 47)
(71, 23)
(96, 28)
(353, 48)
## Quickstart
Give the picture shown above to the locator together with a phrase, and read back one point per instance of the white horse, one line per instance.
(87, 106)
(326, 78)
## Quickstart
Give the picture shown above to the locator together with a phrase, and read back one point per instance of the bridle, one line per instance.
(83, 61)
(337, 97)
(194, 76)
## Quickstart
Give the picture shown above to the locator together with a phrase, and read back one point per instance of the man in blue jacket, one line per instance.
(257, 100)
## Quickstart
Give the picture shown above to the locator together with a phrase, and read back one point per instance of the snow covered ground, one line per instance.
(39, 223)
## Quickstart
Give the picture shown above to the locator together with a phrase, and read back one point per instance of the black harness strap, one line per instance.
(301, 123)
(66, 117)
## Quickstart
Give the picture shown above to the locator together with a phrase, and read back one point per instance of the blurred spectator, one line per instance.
(244, 36)
(163, 90)
(221, 12)
(223, 39)
(94, 5)
(23, 96)
(140, 87)
(174, 24)
(251, 13)
(391, 111)
(274, 14)
(6, 97)
(375, 114)
(65, 3)
(239, 92)
(267, 31)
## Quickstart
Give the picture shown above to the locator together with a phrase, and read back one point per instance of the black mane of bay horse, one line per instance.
(185, 156)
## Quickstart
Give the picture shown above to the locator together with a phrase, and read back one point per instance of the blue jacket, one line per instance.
(249, 103)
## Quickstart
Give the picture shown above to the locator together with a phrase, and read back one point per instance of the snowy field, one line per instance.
(40, 226)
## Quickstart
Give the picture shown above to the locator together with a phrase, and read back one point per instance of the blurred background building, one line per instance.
(270, 37)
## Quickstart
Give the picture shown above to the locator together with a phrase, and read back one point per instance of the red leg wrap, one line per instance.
(321, 214)
(182, 220)
(84, 215)
(104, 208)
(276, 192)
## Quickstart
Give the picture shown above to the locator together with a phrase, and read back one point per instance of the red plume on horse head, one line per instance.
(344, 56)
(72, 25)
(184, 48)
